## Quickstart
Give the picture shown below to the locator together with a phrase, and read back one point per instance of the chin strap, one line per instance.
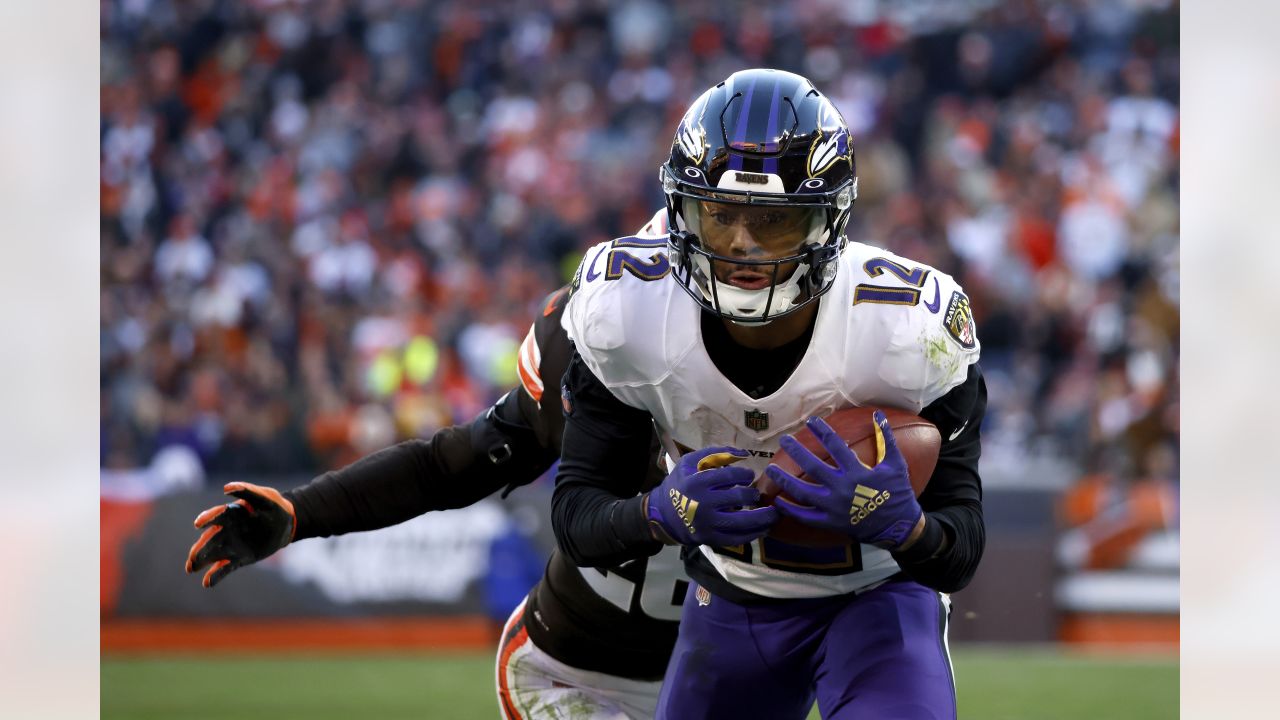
(699, 280)
(748, 305)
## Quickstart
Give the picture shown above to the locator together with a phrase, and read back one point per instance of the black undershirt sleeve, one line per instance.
(454, 468)
(946, 556)
(597, 515)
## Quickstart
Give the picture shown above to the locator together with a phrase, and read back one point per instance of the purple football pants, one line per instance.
(880, 655)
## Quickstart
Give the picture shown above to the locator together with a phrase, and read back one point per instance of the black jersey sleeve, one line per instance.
(946, 555)
(596, 511)
(548, 343)
(509, 445)
(456, 467)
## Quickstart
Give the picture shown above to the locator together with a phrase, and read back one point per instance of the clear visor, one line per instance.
(752, 232)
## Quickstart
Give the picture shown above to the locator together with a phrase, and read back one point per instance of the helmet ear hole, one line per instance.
(814, 277)
(677, 247)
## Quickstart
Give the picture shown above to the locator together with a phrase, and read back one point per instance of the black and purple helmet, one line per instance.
(761, 138)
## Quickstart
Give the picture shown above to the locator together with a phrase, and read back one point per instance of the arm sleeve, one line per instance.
(946, 555)
(598, 517)
(454, 468)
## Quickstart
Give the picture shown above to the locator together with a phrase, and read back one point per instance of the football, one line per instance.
(918, 441)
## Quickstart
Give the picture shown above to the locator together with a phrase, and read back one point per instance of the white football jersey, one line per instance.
(890, 332)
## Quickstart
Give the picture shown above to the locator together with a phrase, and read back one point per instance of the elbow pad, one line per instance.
(503, 449)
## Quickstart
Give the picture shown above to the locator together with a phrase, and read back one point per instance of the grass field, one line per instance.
(993, 684)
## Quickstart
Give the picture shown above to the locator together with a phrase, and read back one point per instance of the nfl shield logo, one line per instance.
(756, 420)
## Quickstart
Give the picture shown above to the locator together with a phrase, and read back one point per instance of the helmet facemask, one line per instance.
(794, 242)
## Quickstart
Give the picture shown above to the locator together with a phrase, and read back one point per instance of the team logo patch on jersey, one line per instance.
(756, 420)
(702, 596)
(959, 320)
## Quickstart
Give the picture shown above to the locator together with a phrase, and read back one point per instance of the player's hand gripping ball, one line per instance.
(837, 495)
(706, 500)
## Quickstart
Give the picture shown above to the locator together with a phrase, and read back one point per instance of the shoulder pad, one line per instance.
(615, 315)
(933, 339)
(656, 227)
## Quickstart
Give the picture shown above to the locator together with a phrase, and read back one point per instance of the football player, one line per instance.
(596, 640)
(762, 318)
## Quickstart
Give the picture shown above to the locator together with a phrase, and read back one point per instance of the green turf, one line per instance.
(993, 684)
(1020, 684)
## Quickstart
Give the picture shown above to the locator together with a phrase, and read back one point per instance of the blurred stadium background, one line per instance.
(326, 226)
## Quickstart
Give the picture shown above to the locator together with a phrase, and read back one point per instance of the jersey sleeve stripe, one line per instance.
(527, 367)
(530, 356)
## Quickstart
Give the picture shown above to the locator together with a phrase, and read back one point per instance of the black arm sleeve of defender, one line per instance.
(598, 517)
(454, 468)
(947, 554)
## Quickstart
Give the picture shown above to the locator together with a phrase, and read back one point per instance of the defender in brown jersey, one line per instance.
(596, 638)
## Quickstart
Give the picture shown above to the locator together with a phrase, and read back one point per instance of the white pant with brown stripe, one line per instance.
(534, 686)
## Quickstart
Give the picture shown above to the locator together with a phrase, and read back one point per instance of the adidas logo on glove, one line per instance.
(865, 502)
(685, 507)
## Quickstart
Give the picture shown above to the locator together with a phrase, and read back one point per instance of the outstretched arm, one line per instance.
(454, 468)
(508, 445)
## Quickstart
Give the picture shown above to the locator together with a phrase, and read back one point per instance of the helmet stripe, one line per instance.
(771, 164)
(740, 132)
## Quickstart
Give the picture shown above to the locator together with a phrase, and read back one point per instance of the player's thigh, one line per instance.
(532, 685)
(886, 657)
(734, 661)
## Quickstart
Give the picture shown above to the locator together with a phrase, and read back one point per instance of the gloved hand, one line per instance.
(256, 525)
(873, 505)
(702, 501)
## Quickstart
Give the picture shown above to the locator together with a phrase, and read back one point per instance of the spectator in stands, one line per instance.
(308, 216)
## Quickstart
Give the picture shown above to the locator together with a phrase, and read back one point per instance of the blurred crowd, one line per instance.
(326, 224)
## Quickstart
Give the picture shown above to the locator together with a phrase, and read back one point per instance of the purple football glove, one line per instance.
(873, 505)
(702, 501)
